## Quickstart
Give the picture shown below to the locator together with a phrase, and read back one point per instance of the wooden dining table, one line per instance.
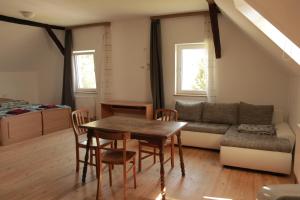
(153, 131)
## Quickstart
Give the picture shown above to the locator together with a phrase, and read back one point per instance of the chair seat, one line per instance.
(94, 143)
(116, 157)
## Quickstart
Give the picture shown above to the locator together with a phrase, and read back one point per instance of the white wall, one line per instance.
(176, 31)
(245, 72)
(19, 85)
(130, 56)
(90, 39)
(30, 58)
(50, 66)
(294, 119)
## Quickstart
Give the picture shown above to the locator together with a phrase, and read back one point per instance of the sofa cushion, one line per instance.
(255, 114)
(207, 127)
(189, 111)
(233, 138)
(222, 113)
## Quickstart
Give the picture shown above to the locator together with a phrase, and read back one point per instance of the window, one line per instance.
(191, 69)
(84, 71)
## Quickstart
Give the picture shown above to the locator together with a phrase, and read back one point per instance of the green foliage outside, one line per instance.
(200, 82)
(86, 71)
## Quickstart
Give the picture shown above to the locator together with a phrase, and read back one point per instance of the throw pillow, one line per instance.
(255, 114)
(189, 111)
(223, 113)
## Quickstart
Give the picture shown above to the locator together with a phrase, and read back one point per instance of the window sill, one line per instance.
(85, 92)
(191, 95)
(79, 94)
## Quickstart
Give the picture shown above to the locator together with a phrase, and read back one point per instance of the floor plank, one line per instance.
(44, 168)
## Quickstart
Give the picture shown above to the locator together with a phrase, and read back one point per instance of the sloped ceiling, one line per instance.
(75, 12)
(228, 8)
(284, 15)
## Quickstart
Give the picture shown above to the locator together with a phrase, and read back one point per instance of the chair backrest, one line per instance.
(124, 136)
(79, 117)
(166, 115)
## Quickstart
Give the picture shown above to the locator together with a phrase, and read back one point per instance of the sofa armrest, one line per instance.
(283, 130)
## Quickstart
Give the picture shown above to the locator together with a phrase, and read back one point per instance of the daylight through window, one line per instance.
(191, 69)
(84, 66)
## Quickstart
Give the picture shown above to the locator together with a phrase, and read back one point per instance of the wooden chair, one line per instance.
(163, 115)
(114, 156)
(80, 117)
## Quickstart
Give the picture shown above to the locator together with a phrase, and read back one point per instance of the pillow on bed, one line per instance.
(4, 100)
(13, 103)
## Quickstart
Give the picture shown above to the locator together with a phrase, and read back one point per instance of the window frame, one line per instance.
(75, 71)
(178, 69)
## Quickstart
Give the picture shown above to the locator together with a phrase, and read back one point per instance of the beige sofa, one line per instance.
(252, 151)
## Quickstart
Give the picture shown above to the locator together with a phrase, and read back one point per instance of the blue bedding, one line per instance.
(26, 106)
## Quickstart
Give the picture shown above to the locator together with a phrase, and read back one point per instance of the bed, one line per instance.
(20, 120)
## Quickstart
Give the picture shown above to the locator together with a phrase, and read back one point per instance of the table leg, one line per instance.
(87, 149)
(116, 144)
(162, 171)
(180, 153)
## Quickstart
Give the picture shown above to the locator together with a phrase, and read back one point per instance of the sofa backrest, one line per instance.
(255, 114)
(220, 113)
(223, 113)
(189, 111)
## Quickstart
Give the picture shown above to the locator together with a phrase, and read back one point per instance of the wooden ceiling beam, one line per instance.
(56, 40)
(187, 14)
(28, 22)
(213, 13)
(90, 25)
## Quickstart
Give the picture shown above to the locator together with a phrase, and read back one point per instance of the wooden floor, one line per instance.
(44, 168)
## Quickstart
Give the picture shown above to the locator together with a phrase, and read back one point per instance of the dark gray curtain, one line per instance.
(156, 71)
(68, 93)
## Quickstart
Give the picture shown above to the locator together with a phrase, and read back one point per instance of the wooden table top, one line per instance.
(145, 127)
